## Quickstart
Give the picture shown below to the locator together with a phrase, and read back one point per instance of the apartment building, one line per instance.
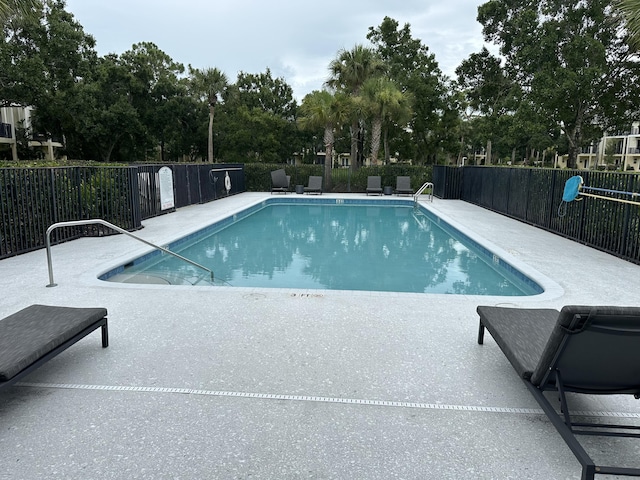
(13, 118)
(612, 152)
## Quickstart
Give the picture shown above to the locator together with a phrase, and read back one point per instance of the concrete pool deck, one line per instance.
(222, 382)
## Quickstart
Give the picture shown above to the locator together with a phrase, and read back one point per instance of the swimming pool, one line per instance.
(336, 244)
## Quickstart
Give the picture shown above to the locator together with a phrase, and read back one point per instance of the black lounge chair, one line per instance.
(374, 185)
(36, 334)
(280, 181)
(315, 185)
(581, 349)
(403, 186)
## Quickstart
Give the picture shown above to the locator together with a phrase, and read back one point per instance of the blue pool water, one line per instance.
(377, 246)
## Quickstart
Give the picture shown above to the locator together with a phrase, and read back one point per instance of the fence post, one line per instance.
(134, 198)
(550, 209)
(627, 220)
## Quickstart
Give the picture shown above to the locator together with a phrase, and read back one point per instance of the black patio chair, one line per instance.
(403, 186)
(374, 185)
(280, 181)
(36, 334)
(582, 350)
(315, 185)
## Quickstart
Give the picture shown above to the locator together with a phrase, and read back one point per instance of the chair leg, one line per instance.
(564, 407)
(481, 333)
(588, 472)
(105, 334)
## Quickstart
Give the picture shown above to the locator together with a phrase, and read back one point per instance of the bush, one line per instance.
(258, 176)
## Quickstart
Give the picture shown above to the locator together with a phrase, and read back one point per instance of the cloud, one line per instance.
(295, 39)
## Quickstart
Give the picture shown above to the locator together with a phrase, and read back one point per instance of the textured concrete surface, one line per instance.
(202, 382)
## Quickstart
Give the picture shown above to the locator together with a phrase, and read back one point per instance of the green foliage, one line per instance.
(571, 61)
(348, 73)
(16, 8)
(387, 106)
(561, 79)
(263, 92)
(49, 53)
(631, 11)
(414, 69)
(258, 176)
(22, 201)
(32, 199)
(207, 86)
(257, 121)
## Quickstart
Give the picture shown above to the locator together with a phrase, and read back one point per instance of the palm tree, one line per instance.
(208, 84)
(16, 7)
(322, 109)
(348, 72)
(386, 105)
(631, 11)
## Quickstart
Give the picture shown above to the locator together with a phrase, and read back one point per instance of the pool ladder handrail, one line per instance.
(117, 229)
(422, 189)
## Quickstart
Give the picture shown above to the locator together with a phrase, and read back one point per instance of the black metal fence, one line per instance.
(447, 182)
(192, 184)
(534, 196)
(32, 199)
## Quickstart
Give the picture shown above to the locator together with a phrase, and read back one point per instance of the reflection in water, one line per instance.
(343, 248)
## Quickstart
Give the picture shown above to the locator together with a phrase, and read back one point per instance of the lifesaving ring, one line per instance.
(227, 181)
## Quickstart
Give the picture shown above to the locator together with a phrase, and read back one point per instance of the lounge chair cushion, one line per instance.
(598, 332)
(34, 331)
(315, 184)
(279, 180)
(522, 334)
(403, 185)
(374, 184)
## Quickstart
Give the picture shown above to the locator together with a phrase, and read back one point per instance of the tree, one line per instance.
(258, 120)
(571, 60)
(321, 109)
(386, 105)
(155, 81)
(103, 118)
(349, 71)
(266, 93)
(50, 55)
(631, 12)
(8, 8)
(414, 69)
(190, 128)
(208, 85)
(489, 91)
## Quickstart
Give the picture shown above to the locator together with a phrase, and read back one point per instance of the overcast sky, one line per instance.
(296, 39)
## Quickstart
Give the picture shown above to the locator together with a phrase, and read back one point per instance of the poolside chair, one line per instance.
(374, 185)
(36, 334)
(582, 350)
(280, 181)
(315, 185)
(403, 186)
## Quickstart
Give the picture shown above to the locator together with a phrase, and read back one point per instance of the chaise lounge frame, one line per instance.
(582, 350)
(36, 334)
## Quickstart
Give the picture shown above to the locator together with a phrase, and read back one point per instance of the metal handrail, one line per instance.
(422, 189)
(117, 229)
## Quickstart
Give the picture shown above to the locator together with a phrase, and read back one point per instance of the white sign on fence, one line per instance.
(166, 188)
